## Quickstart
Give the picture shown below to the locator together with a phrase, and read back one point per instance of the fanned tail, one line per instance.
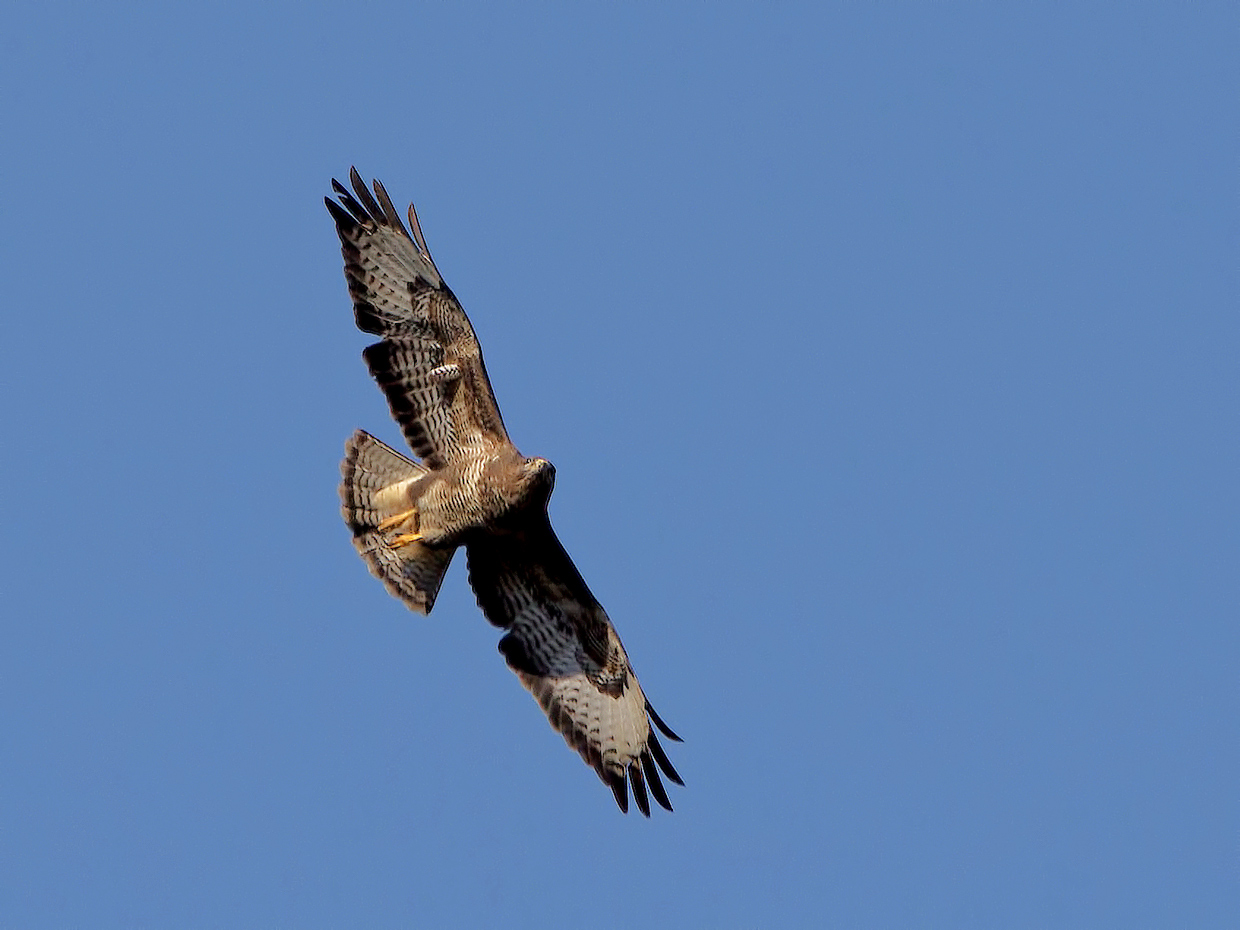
(378, 491)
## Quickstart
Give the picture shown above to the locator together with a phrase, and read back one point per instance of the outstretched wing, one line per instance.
(428, 364)
(566, 652)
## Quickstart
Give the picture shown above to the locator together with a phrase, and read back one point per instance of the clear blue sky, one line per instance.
(888, 357)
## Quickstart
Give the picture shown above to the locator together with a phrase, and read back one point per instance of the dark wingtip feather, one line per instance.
(654, 782)
(340, 215)
(359, 215)
(660, 757)
(363, 195)
(389, 211)
(418, 238)
(639, 789)
(663, 727)
(620, 788)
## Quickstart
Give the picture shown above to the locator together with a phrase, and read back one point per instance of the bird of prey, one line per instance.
(472, 488)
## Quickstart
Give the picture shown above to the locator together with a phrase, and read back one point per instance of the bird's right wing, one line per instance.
(428, 364)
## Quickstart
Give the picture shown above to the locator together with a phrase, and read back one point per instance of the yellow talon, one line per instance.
(405, 539)
(396, 520)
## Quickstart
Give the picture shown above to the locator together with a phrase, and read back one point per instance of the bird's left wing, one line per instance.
(564, 649)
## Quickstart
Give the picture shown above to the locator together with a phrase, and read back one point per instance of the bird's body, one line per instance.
(472, 488)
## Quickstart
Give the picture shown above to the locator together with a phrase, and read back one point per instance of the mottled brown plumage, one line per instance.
(473, 488)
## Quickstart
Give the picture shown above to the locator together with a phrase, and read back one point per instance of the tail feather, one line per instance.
(378, 485)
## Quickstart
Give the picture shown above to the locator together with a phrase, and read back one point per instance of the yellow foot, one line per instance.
(396, 520)
(405, 539)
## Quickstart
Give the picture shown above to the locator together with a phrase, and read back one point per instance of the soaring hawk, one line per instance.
(472, 488)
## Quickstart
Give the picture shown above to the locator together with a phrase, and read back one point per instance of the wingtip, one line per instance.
(663, 727)
(339, 214)
(653, 782)
(656, 751)
(639, 788)
(620, 788)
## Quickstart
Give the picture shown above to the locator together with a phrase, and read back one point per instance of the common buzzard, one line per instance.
(472, 488)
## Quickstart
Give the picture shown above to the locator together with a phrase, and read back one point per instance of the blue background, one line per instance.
(888, 357)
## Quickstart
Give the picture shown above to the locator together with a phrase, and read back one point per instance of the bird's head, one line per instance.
(539, 478)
